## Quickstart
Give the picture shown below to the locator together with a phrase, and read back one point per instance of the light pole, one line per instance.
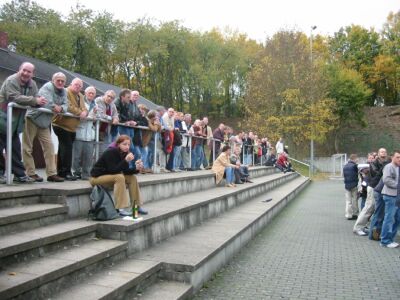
(312, 101)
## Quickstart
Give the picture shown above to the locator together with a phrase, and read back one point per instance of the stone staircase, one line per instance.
(49, 250)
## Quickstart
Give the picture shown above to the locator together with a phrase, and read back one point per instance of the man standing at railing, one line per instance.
(65, 128)
(37, 124)
(21, 89)
(107, 111)
(207, 131)
(218, 134)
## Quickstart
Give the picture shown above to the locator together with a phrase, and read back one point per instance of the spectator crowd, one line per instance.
(163, 140)
(377, 185)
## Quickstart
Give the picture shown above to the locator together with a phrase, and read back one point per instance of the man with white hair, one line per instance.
(21, 89)
(65, 128)
(85, 135)
(37, 124)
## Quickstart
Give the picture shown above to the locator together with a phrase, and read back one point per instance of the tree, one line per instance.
(350, 93)
(281, 98)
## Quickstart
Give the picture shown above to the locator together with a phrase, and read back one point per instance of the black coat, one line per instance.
(112, 161)
(350, 174)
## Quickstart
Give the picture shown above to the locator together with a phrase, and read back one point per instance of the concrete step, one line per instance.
(196, 254)
(22, 246)
(75, 194)
(166, 290)
(156, 187)
(169, 217)
(42, 277)
(119, 281)
(25, 217)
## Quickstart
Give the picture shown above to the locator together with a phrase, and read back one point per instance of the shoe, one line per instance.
(124, 213)
(360, 232)
(142, 211)
(70, 177)
(37, 178)
(229, 185)
(352, 218)
(249, 181)
(376, 234)
(3, 179)
(239, 182)
(78, 175)
(23, 179)
(391, 245)
(55, 178)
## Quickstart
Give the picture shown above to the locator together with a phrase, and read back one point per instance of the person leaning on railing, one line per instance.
(21, 89)
(37, 124)
(148, 137)
(65, 128)
(84, 141)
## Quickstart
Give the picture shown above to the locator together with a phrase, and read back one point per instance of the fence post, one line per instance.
(190, 151)
(97, 139)
(213, 150)
(9, 143)
(156, 137)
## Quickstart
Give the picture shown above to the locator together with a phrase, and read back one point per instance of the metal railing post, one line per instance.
(213, 150)
(190, 151)
(156, 137)
(9, 143)
(97, 150)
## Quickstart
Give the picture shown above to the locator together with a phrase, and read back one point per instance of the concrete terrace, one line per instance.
(310, 252)
(49, 250)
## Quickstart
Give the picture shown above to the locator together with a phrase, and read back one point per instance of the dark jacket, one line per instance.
(112, 161)
(350, 174)
(375, 171)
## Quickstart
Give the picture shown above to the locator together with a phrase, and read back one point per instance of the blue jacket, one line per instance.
(350, 174)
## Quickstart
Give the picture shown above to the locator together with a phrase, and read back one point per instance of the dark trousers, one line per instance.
(17, 167)
(64, 155)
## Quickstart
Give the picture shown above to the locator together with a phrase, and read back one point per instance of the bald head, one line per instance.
(25, 72)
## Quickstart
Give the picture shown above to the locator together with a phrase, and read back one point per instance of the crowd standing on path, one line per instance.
(181, 145)
(377, 183)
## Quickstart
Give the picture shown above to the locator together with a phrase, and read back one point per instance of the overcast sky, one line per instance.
(258, 19)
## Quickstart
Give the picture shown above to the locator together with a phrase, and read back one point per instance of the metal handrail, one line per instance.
(304, 164)
(97, 120)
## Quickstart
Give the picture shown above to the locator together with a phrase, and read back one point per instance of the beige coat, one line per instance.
(219, 166)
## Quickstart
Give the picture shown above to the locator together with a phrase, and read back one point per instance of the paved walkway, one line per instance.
(310, 252)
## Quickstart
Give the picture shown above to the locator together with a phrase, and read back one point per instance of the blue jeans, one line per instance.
(150, 153)
(391, 220)
(197, 156)
(177, 157)
(379, 213)
(230, 175)
(247, 159)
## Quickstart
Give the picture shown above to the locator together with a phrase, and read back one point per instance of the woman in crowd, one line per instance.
(223, 168)
(112, 170)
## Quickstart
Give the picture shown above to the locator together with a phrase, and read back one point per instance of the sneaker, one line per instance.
(70, 177)
(37, 178)
(124, 213)
(3, 179)
(78, 175)
(23, 179)
(360, 232)
(391, 245)
(55, 178)
(142, 211)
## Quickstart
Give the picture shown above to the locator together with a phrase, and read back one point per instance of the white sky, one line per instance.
(258, 19)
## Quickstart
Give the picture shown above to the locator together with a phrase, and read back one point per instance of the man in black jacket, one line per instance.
(376, 169)
(350, 174)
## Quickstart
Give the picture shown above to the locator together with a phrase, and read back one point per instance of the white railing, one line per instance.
(97, 120)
